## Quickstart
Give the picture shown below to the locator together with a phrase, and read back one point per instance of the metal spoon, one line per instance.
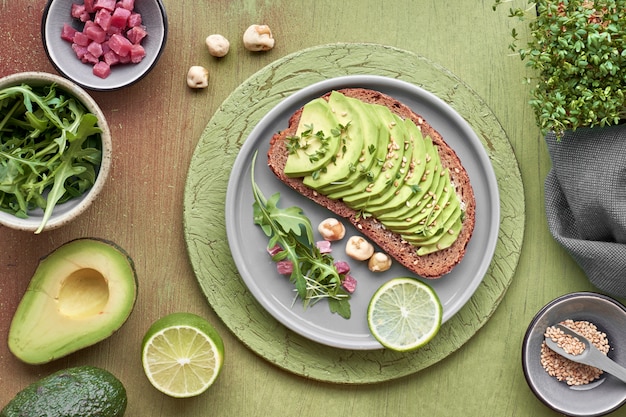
(590, 356)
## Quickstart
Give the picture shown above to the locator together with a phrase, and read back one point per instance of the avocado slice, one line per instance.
(424, 190)
(380, 133)
(349, 150)
(399, 150)
(313, 144)
(80, 294)
(82, 391)
(399, 198)
(362, 123)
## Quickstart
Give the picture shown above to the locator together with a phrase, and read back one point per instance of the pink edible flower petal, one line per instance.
(342, 267)
(273, 251)
(284, 267)
(349, 283)
(324, 246)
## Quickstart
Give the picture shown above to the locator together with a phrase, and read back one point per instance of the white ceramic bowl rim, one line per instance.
(66, 212)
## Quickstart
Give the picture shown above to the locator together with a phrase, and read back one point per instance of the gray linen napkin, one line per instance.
(585, 197)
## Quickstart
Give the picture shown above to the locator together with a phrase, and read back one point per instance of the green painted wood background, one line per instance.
(156, 125)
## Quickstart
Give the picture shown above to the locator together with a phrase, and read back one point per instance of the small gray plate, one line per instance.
(599, 397)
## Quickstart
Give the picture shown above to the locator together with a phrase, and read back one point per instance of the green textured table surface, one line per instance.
(156, 126)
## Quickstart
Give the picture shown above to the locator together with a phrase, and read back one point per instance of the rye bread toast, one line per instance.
(432, 265)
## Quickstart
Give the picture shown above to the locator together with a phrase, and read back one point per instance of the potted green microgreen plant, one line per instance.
(578, 49)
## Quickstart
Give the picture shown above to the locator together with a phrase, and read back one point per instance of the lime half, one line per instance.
(404, 314)
(182, 354)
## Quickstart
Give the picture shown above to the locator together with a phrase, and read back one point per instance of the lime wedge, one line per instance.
(404, 314)
(182, 355)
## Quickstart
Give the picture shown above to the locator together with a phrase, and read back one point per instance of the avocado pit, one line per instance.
(84, 293)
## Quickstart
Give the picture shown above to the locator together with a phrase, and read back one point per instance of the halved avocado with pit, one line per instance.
(80, 294)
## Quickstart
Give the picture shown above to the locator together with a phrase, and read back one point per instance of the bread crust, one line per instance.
(433, 265)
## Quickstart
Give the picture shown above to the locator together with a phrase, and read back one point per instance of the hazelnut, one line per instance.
(218, 45)
(197, 77)
(379, 262)
(331, 229)
(258, 38)
(358, 248)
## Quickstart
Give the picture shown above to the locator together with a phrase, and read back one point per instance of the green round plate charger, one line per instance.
(205, 231)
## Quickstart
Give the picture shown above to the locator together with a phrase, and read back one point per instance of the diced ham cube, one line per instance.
(95, 49)
(89, 6)
(119, 18)
(103, 19)
(349, 283)
(124, 59)
(120, 45)
(79, 50)
(284, 267)
(89, 58)
(102, 69)
(134, 20)
(136, 34)
(95, 33)
(126, 4)
(137, 53)
(104, 4)
(81, 39)
(114, 30)
(111, 58)
(77, 10)
(68, 32)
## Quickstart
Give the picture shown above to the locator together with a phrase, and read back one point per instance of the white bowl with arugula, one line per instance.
(55, 151)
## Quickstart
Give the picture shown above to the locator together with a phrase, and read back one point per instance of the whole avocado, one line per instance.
(83, 391)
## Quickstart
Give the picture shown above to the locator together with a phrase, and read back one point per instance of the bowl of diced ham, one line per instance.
(104, 45)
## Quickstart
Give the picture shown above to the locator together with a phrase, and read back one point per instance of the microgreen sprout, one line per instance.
(578, 49)
(314, 273)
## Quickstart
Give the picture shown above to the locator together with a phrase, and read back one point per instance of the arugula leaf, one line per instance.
(314, 275)
(50, 149)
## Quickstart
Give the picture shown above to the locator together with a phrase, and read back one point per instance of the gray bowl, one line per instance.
(66, 212)
(63, 58)
(599, 397)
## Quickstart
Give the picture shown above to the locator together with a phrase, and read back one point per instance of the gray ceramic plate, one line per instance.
(248, 243)
(599, 397)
